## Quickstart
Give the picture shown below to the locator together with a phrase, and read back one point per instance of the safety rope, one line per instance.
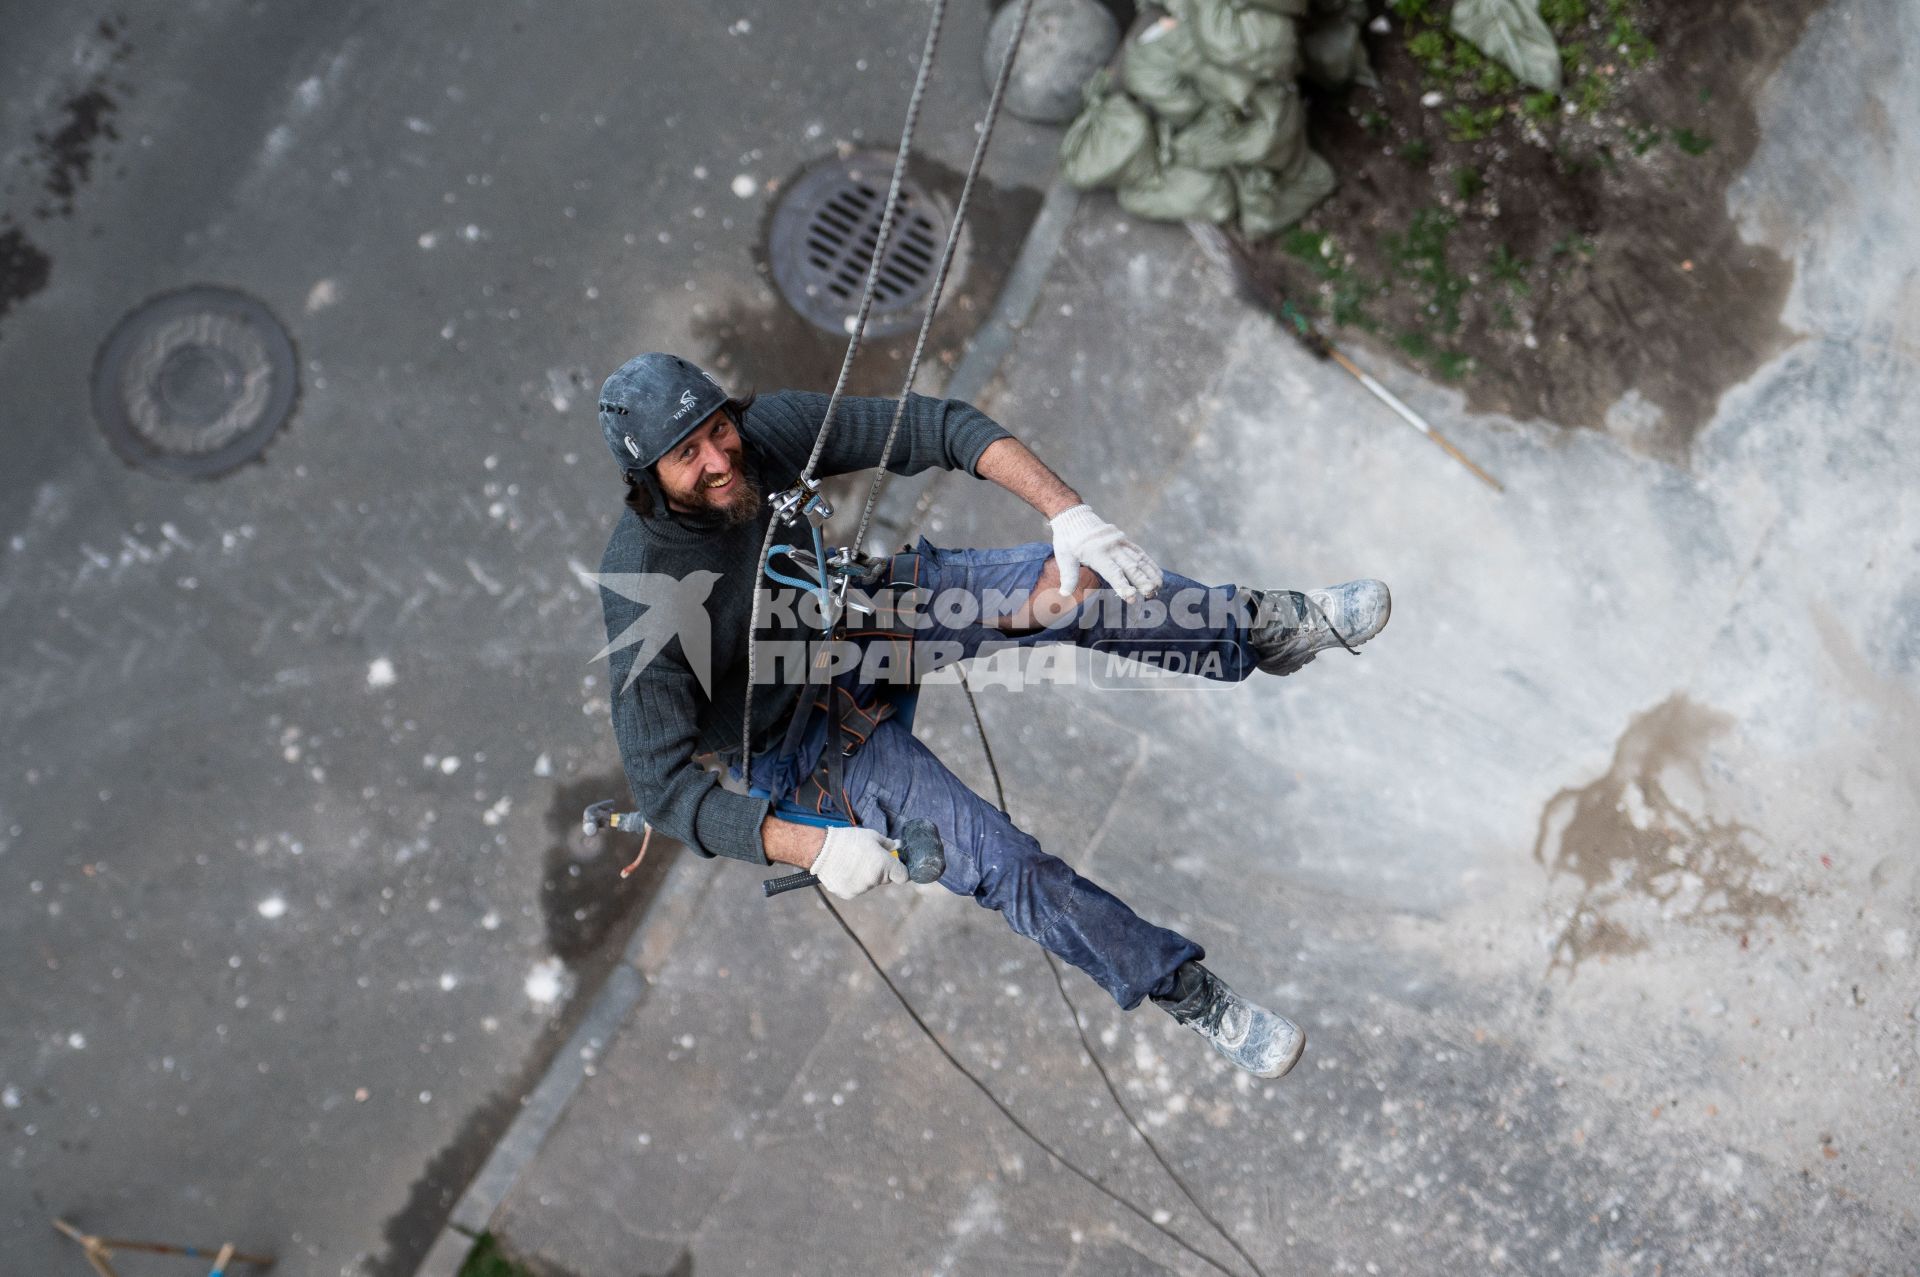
(880, 471)
(1009, 1114)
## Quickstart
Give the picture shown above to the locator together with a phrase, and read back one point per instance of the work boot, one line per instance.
(1289, 627)
(1254, 1038)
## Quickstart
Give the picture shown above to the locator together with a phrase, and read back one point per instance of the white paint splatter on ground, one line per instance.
(323, 294)
(745, 187)
(272, 907)
(549, 982)
(10, 1097)
(380, 672)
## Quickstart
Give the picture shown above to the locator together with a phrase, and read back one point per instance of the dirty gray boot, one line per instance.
(1254, 1038)
(1289, 627)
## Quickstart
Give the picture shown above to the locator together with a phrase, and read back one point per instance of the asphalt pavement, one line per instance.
(295, 909)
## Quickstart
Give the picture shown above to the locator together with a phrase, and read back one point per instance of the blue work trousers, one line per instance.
(892, 777)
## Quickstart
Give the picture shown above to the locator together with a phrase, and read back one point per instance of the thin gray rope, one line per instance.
(885, 236)
(1012, 1118)
(880, 472)
(1086, 1045)
(920, 80)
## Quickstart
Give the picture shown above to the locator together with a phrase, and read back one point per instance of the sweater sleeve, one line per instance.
(656, 723)
(947, 434)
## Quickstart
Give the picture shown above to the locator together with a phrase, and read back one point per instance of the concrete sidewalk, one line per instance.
(1594, 882)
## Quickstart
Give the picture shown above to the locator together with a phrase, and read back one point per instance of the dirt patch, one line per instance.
(24, 269)
(61, 163)
(1568, 259)
(1637, 844)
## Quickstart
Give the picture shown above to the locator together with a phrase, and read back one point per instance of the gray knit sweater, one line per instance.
(666, 717)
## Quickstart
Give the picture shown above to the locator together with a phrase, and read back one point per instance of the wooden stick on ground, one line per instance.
(99, 1249)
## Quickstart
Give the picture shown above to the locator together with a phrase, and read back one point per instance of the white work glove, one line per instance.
(855, 859)
(1082, 537)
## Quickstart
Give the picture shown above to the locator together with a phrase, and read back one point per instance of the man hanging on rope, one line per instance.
(698, 467)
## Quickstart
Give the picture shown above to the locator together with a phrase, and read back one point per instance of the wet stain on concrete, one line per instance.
(24, 269)
(1637, 843)
(582, 896)
(67, 153)
(766, 345)
(61, 163)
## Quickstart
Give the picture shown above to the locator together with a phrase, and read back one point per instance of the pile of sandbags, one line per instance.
(1207, 122)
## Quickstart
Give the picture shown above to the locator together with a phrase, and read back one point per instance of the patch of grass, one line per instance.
(1420, 256)
(1564, 15)
(1643, 140)
(1592, 94)
(1692, 143)
(1540, 106)
(485, 1260)
(1495, 80)
(1566, 244)
(1317, 250)
(1430, 49)
(1416, 151)
(1374, 122)
(1472, 123)
(1453, 365)
(1624, 35)
(1468, 182)
(1347, 305)
(1413, 10)
(1508, 269)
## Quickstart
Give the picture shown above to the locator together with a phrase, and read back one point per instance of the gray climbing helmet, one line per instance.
(651, 403)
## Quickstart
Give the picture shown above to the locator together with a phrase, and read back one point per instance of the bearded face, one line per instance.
(706, 472)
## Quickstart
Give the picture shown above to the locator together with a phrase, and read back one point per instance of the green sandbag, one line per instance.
(1258, 193)
(1111, 133)
(1512, 33)
(1301, 185)
(1181, 194)
(1257, 41)
(1269, 133)
(1335, 55)
(1223, 84)
(1156, 69)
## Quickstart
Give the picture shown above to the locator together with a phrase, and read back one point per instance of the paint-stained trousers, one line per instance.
(892, 777)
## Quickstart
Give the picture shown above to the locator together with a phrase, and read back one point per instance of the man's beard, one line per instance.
(740, 503)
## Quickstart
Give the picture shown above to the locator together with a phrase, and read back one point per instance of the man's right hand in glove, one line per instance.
(854, 859)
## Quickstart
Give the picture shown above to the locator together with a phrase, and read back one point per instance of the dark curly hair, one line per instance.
(640, 501)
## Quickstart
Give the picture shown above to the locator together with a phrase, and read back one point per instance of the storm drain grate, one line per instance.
(194, 383)
(821, 245)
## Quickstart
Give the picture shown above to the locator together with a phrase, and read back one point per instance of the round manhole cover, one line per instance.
(822, 238)
(194, 383)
